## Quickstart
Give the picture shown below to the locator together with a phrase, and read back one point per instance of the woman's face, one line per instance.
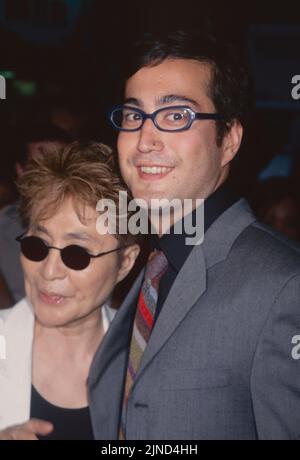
(59, 295)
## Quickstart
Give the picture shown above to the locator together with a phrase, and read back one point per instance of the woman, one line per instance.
(70, 271)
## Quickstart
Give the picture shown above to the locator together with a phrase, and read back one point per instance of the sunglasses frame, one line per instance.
(21, 238)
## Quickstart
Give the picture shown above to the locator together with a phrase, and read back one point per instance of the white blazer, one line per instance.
(16, 337)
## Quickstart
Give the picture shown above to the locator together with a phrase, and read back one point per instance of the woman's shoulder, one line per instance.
(22, 309)
(16, 330)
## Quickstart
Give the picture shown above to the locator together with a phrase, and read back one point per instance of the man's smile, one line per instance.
(153, 172)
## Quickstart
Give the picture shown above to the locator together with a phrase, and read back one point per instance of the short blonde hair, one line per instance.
(85, 172)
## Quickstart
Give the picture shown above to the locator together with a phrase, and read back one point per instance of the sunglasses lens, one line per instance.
(75, 257)
(33, 248)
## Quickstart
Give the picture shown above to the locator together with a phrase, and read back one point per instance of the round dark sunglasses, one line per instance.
(73, 256)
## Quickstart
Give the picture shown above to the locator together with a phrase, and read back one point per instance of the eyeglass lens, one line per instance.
(170, 118)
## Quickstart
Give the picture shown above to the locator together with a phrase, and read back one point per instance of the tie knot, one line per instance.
(157, 265)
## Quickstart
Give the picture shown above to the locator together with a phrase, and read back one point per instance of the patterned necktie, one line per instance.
(143, 323)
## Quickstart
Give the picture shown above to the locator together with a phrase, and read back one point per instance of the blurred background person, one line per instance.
(70, 273)
(7, 189)
(276, 202)
(70, 118)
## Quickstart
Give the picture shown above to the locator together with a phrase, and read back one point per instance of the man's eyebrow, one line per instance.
(167, 99)
(133, 101)
(170, 98)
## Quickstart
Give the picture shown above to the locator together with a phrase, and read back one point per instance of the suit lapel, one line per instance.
(108, 369)
(117, 336)
(220, 237)
(188, 287)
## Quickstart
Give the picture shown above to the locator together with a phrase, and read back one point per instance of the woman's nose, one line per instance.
(53, 266)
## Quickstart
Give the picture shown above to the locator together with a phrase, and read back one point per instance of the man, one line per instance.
(218, 362)
(30, 140)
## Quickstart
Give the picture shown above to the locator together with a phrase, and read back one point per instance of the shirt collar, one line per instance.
(108, 314)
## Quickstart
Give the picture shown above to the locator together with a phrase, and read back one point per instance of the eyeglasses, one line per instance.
(73, 256)
(170, 119)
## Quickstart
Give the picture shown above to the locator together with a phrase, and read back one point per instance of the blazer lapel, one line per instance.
(111, 356)
(117, 336)
(188, 287)
(220, 237)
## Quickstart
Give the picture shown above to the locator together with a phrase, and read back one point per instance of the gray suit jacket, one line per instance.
(219, 363)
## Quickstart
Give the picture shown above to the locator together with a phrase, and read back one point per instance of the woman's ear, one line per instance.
(128, 258)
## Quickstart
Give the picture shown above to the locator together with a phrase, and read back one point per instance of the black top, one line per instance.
(69, 424)
(174, 247)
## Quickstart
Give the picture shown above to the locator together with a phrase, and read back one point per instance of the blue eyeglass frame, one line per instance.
(193, 116)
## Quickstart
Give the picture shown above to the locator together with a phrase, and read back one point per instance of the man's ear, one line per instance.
(129, 256)
(231, 142)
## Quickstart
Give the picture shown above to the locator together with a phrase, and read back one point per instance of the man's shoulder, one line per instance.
(266, 237)
(262, 238)
(276, 237)
(262, 243)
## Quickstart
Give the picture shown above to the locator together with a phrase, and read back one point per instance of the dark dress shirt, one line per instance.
(174, 247)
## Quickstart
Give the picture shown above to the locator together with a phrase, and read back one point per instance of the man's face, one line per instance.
(193, 165)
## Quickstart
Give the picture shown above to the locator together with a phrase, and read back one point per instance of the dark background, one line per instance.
(68, 52)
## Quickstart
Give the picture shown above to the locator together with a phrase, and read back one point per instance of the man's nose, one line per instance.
(150, 138)
(53, 267)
